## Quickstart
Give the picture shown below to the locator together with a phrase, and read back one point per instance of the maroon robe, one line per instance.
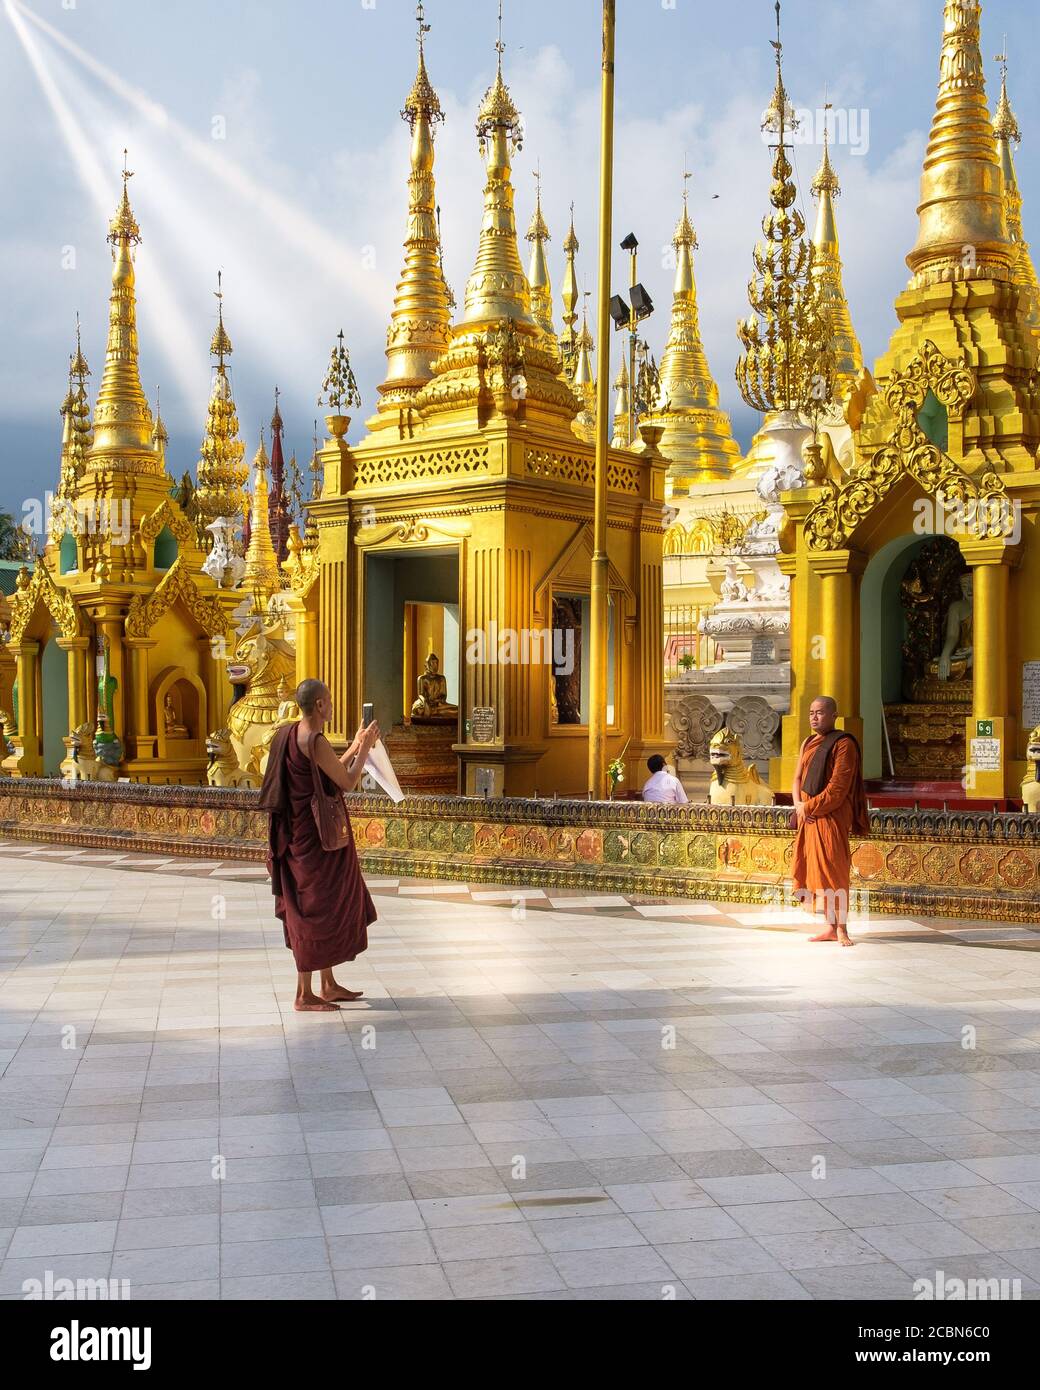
(319, 894)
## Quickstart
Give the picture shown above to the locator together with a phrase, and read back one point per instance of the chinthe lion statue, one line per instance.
(223, 770)
(734, 782)
(1031, 781)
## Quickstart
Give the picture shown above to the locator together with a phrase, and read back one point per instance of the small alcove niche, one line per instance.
(165, 549)
(934, 420)
(68, 556)
(179, 711)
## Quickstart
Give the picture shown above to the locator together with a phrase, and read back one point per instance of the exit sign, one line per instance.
(984, 728)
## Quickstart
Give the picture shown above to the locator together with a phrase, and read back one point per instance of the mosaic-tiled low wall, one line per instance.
(943, 864)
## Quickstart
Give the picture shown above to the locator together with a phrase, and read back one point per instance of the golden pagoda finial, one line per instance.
(122, 420)
(420, 323)
(538, 270)
(160, 434)
(963, 231)
(222, 471)
(622, 406)
(698, 437)
(77, 435)
(498, 289)
(787, 364)
(848, 355)
(220, 344)
(584, 382)
(569, 338)
(262, 576)
(1008, 134)
(123, 227)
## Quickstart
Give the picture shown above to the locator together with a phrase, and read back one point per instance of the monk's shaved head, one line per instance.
(309, 692)
(822, 714)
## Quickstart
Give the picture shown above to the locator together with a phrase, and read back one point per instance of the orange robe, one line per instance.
(822, 851)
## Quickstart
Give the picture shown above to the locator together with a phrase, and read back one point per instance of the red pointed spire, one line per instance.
(278, 507)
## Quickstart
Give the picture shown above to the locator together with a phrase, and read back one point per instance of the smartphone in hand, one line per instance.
(368, 713)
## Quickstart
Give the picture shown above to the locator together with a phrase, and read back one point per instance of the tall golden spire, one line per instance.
(500, 363)
(160, 434)
(262, 576)
(826, 187)
(497, 289)
(963, 226)
(569, 337)
(122, 420)
(786, 339)
(538, 270)
(82, 435)
(420, 325)
(622, 406)
(222, 471)
(1008, 133)
(698, 438)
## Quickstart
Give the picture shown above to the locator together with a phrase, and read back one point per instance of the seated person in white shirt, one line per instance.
(661, 785)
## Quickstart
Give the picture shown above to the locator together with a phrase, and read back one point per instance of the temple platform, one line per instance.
(970, 865)
(423, 758)
(933, 796)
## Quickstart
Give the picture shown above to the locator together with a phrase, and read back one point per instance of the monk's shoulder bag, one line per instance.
(330, 812)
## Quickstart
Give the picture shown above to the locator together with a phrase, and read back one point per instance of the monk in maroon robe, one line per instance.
(320, 895)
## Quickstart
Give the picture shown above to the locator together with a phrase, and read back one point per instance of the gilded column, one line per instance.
(990, 736)
(27, 657)
(837, 642)
(306, 645)
(141, 733)
(77, 648)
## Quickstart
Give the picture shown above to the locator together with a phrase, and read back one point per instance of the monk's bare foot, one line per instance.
(341, 992)
(843, 937)
(311, 1004)
(825, 936)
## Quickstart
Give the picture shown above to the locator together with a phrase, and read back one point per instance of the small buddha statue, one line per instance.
(956, 658)
(432, 704)
(174, 728)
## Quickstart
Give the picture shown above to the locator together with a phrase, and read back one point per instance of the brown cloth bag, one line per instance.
(330, 812)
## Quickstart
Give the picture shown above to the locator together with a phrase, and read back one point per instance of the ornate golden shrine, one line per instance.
(947, 445)
(474, 480)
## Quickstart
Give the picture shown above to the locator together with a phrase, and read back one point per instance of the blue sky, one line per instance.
(302, 203)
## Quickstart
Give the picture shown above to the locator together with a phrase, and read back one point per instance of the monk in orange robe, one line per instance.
(830, 805)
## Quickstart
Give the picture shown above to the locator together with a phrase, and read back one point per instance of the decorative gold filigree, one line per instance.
(836, 516)
(41, 588)
(177, 583)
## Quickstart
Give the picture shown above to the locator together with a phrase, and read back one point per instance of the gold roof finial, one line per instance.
(160, 434)
(1008, 134)
(498, 289)
(787, 357)
(538, 269)
(420, 322)
(1005, 125)
(963, 232)
(262, 576)
(123, 422)
(222, 470)
(220, 343)
(569, 293)
(422, 100)
(826, 268)
(698, 437)
(123, 227)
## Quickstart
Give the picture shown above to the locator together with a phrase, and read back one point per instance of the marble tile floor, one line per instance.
(558, 1098)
